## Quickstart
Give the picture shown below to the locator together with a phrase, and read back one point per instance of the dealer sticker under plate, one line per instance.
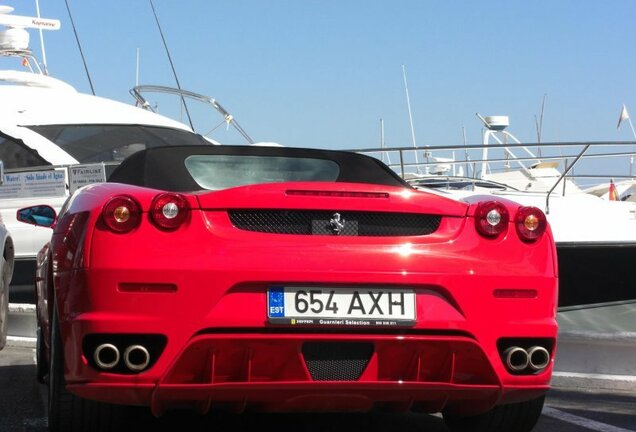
(341, 306)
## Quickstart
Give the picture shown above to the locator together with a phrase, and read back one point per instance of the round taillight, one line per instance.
(121, 214)
(491, 218)
(169, 210)
(531, 223)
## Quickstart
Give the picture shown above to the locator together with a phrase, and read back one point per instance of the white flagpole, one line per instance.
(629, 120)
(631, 125)
(631, 159)
(408, 105)
(383, 144)
(46, 70)
(137, 70)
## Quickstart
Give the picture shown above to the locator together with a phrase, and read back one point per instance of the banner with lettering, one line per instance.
(82, 175)
(34, 184)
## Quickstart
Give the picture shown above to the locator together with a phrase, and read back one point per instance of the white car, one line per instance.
(6, 271)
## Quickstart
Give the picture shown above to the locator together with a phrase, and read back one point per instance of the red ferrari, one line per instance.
(288, 279)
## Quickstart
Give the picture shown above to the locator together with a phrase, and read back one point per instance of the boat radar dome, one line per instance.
(15, 37)
(497, 123)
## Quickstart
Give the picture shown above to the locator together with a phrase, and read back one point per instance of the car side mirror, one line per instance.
(40, 215)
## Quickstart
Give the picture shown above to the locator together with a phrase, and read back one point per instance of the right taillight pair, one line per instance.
(168, 211)
(491, 220)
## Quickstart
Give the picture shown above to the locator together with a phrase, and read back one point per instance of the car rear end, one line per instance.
(309, 296)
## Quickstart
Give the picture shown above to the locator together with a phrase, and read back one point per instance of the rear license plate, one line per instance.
(341, 306)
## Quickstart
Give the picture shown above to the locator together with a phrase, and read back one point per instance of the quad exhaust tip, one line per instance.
(518, 359)
(539, 358)
(136, 358)
(106, 356)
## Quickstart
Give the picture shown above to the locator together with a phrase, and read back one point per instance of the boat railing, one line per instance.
(571, 154)
(568, 168)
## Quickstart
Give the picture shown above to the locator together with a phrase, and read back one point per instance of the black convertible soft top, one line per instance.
(165, 167)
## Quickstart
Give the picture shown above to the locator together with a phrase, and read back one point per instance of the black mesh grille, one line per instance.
(325, 222)
(336, 361)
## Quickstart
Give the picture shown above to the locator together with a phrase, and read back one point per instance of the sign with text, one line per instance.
(33, 184)
(82, 175)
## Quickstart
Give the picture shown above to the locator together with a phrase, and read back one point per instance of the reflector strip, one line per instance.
(338, 194)
(515, 293)
(147, 287)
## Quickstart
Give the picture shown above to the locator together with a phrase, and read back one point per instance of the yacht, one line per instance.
(54, 139)
(594, 231)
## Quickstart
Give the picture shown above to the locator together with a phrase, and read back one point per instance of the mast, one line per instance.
(408, 105)
(137, 70)
(383, 144)
(466, 156)
(44, 65)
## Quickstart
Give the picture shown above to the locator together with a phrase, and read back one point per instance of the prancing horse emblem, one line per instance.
(337, 223)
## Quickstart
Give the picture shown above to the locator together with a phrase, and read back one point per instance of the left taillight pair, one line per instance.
(168, 211)
(491, 220)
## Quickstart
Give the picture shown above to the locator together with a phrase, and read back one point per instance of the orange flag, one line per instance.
(613, 192)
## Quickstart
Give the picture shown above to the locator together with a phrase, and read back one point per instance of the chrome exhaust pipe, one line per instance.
(539, 358)
(106, 356)
(136, 358)
(517, 358)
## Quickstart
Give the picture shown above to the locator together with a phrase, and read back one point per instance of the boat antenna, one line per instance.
(79, 45)
(174, 72)
(137, 70)
(383, 144)
(37, 9)
(539, 124)
(625, 116)
(382, 139)
(408, 105)
(466, 156)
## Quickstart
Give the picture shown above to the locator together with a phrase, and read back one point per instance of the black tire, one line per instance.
(67, 412)
(518, 417)
(41, 367)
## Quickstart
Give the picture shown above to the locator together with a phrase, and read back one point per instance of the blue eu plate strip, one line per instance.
(276, 302)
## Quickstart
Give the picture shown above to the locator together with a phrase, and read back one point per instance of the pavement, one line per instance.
(586, 357)
(567, 410)
(594, 385)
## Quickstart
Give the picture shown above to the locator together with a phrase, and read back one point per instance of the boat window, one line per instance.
(214, 172)
(14, 154)
(106, 143)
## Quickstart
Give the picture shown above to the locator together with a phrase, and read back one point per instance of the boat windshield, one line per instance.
(113, 143)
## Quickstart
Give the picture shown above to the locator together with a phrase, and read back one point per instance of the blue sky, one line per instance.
(321, 73)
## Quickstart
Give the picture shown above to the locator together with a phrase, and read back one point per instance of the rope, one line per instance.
(79, 45)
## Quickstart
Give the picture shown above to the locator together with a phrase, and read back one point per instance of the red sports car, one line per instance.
(288, 279)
